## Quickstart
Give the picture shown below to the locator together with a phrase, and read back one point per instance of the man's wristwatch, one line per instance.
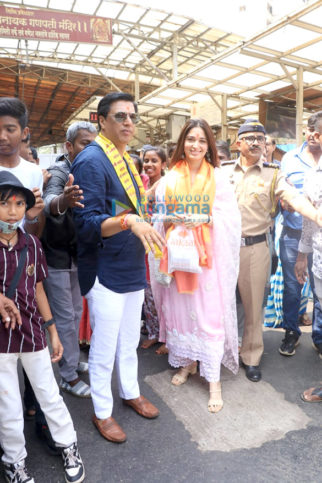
(47, 324)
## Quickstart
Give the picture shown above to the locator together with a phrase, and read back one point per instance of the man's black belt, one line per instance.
(251, 240)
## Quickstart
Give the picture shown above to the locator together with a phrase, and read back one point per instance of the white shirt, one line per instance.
(311, 239)
(29, 174)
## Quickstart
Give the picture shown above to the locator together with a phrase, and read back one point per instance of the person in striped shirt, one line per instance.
(26, 340)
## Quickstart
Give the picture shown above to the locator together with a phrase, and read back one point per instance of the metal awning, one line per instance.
(172, 63)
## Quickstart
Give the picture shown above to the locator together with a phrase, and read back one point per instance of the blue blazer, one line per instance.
(118, 261)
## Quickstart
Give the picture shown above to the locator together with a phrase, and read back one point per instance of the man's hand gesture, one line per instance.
(72, 195)
(38, 206)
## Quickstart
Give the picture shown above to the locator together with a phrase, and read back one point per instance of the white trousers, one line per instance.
(41, 376)
(115, 321)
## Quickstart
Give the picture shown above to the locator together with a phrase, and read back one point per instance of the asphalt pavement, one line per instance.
(265, 432)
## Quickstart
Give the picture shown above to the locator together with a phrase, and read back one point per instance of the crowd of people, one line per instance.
(103, 233)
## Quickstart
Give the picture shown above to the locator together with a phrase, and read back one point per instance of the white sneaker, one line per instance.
(17, 473)
(73, 464)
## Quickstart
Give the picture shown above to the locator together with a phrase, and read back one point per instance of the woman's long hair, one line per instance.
(211, 156)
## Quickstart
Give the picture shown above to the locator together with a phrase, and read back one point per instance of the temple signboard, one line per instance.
(23, 23)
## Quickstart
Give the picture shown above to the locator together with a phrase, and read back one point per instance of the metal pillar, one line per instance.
(136, 86)
(299, 106)
(224, 124)
(175, 57)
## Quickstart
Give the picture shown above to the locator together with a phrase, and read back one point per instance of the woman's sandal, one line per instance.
(215, 403)
(182, 375)
(305, 320)
(147, 343)
(312, 395)
(162, 350)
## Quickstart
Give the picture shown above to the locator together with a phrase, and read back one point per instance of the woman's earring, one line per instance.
(208, 158)
(182, 156)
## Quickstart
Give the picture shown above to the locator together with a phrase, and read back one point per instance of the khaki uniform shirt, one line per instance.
(253, 190)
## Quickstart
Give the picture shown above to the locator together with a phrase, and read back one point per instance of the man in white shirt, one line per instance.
(29, 174)
(13, 129)
(311, 241)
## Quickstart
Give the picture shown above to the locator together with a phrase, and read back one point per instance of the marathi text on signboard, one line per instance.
(22, 23)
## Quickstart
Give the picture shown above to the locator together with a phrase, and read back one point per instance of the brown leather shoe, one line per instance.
(143, 407)
(109, 429)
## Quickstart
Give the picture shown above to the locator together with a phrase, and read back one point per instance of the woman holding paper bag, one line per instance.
(196, 211)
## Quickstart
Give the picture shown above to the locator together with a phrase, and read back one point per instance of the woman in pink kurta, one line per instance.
(200, 325)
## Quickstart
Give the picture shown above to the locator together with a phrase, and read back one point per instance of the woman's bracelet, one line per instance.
(58, 210)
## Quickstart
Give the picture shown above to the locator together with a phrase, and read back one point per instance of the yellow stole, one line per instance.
(179, 191)
(122, 172)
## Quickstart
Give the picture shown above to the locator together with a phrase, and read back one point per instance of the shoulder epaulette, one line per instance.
(271, 165)
(226, 163)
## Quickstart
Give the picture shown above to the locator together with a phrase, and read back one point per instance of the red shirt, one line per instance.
(29, 337)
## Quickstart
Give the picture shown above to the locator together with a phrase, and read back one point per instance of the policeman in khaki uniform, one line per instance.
(257, 183)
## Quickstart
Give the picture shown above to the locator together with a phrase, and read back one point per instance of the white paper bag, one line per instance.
(183, 255)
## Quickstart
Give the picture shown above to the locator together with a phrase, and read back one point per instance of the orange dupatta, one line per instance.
(180, 192)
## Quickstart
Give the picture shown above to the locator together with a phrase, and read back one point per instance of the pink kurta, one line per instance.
(203, 326)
